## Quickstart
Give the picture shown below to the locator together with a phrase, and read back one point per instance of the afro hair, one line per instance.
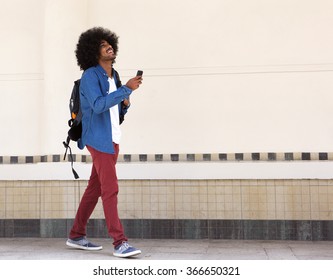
(87, 48)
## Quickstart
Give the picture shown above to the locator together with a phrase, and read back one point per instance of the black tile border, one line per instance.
(29, 159)
(174, 157)
(271, 156)
(306, 156)
(255, 156)
(223, 157)
(239, 156)
(289, 156)
(159, 157)
(189, 157)
(14, 159)
(305, 230)
(206, 157)
(143, 157)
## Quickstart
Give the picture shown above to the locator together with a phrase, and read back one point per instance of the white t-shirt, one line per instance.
(114, 114)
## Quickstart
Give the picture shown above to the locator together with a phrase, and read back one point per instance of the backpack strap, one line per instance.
(118, 82)
(66, 144)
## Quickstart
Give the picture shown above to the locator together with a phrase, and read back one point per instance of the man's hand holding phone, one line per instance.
(135, 82)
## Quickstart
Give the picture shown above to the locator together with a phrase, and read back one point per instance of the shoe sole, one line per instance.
(83, 248)
(130, 254)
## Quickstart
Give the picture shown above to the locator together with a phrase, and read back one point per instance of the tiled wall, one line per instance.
(176, 199)
(194, 201)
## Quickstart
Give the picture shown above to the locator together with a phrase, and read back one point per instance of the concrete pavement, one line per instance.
(153, 249)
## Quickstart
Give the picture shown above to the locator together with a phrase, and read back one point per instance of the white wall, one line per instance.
(176, 171)
(64, 22)
(219, 75)
(228, 75)
(21, 76)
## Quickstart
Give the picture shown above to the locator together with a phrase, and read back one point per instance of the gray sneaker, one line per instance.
(124, 250)
(83, 244)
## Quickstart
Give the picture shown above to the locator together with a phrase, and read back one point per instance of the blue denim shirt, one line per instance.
(95, 104)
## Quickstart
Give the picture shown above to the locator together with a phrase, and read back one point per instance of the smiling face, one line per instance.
(106, 52)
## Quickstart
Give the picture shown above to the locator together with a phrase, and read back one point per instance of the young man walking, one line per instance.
(104, 102)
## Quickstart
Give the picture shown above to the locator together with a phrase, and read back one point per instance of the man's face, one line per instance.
(106, 52)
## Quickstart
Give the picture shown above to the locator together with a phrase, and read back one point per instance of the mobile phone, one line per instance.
(139, 73)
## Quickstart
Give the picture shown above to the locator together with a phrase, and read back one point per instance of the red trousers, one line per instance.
(103, 183)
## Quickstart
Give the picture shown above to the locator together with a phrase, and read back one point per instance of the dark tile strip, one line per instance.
(29, 159)
(190, 157)
(143, 157)
(207, 157)
(270, 156)
(223, 157)
(56, 158)
(255, 156)
(158, 157)
(127, 158)
(14, 160)
(306, 156)
(174, 157)
(289, 156)
(323, 156)
(239, 156)
(181, 229)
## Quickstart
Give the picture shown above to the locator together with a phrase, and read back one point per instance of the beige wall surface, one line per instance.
(21, 75)
(176, 199)
(219, 75)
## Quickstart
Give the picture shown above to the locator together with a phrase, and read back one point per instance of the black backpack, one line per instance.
(75, 130)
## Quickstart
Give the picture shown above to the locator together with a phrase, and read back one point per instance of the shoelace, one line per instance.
(124, 246)
(84, 242)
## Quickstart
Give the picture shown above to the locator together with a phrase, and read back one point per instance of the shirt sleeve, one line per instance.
(91, 89)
